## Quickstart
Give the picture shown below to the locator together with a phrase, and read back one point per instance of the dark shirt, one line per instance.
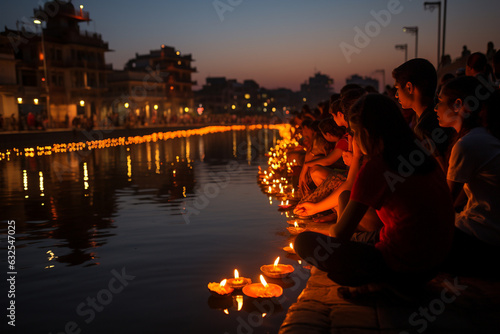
(436, 138)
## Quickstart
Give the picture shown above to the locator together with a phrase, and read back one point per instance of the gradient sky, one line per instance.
(278, 43)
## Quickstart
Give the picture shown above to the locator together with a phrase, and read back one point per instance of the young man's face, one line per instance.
(403, 95)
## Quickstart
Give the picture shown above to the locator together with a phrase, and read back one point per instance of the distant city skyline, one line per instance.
(283, 43)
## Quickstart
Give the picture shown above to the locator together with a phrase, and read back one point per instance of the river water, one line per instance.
(125, 238)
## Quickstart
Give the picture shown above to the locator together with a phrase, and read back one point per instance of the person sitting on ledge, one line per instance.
(411, 199)
(474, 167)
(318, 168)
(416, 81)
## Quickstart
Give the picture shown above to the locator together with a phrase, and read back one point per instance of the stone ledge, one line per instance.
(448, 305)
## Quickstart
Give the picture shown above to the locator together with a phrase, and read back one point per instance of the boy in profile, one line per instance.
(416, 82)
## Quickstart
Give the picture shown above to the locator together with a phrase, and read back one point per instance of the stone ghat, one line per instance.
(447, 305)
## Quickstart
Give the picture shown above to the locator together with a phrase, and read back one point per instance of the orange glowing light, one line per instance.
(291, 245)
(226, 311)
(239, 300)
(276, 262)
(236, 274)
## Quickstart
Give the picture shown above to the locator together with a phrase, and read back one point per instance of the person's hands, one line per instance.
(305, 209)
(347, 157)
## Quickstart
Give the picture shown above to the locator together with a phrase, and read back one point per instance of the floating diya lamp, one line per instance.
(277, 270)
(238, 282)
(263, 289)
(295, 229)
(289, 248)
(220, 289)
(285, 205)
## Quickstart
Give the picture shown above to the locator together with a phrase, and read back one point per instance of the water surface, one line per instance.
(125, 239)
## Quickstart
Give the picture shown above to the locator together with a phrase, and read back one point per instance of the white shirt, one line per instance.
(475, 161)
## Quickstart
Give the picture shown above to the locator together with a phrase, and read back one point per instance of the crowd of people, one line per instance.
(408, 181)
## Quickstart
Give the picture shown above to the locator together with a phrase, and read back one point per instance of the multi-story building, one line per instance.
(316, 89)
(363, 82)
(154, 86)
(221, 95)
(61, 70)
(8, 85)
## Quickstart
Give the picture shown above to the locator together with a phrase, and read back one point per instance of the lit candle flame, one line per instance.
(295, 224)
(236, 274)
(223, 282)
(291, 245)
(226, 311)
(276, 261)
(286, 202)
(263, 281)
(264, 314)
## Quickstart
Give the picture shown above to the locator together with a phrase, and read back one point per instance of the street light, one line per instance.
(413, 30)
(47, 93)
(431, 6)
(444, 26)
(403, 47)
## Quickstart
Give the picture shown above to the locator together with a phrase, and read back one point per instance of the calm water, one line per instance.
(126, 239)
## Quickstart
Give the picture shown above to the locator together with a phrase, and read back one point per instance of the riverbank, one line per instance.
(448, 305)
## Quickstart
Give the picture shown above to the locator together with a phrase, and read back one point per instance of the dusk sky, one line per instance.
(279, 43)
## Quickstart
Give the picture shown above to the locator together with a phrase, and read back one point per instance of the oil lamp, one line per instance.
(277, 270)
(295, 229)
(289, 249)
(238, 282)
(263, 289)
(220, 289)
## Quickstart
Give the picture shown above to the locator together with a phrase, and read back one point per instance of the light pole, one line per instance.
(431, 6)
(444, 25)
(47, 94)
(403, 47)
(413, 30)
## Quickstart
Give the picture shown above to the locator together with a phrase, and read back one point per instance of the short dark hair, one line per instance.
(328, 125)
(421, 73)
(349, 98)
(465, 88)
(477, 61)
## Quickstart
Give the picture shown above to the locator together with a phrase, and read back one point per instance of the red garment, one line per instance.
(343, 143)
(416, 212)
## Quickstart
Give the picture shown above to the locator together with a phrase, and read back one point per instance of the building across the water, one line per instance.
(55, 73)
(155, 86)
(60, 70)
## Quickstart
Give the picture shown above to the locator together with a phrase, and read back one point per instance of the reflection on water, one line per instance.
(72, 197)
(175, 214)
